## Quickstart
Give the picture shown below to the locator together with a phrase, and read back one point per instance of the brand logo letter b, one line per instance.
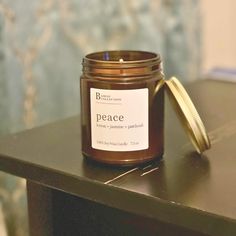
(97, 96)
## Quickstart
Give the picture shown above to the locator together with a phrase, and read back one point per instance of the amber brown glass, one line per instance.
(124, 70)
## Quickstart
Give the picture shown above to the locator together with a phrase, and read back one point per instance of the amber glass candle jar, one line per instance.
(122, 107)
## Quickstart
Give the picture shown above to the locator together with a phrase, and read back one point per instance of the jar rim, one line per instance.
(123, 64)
(122, 56)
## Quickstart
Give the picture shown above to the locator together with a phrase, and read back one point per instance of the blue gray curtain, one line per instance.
(42, 44)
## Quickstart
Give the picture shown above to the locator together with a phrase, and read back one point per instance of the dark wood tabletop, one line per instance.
(183, 188)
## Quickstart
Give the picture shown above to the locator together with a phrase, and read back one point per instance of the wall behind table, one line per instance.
(219, 34)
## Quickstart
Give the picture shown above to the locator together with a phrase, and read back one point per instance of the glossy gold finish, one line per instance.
(188, 114)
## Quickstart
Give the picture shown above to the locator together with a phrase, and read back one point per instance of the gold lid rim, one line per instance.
(184, 116)
(189, 116)
(200, 126)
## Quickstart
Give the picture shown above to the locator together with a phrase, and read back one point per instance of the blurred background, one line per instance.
(42, 44)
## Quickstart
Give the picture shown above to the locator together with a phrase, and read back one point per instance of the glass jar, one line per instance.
(122, 107)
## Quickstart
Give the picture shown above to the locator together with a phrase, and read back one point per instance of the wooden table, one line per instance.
(183, 194)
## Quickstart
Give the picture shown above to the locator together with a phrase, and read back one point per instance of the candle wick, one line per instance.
(121, 60)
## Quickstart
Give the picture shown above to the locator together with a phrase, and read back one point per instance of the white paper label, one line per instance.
(119, 119)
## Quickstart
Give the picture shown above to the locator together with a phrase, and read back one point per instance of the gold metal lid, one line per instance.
(188, 115)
